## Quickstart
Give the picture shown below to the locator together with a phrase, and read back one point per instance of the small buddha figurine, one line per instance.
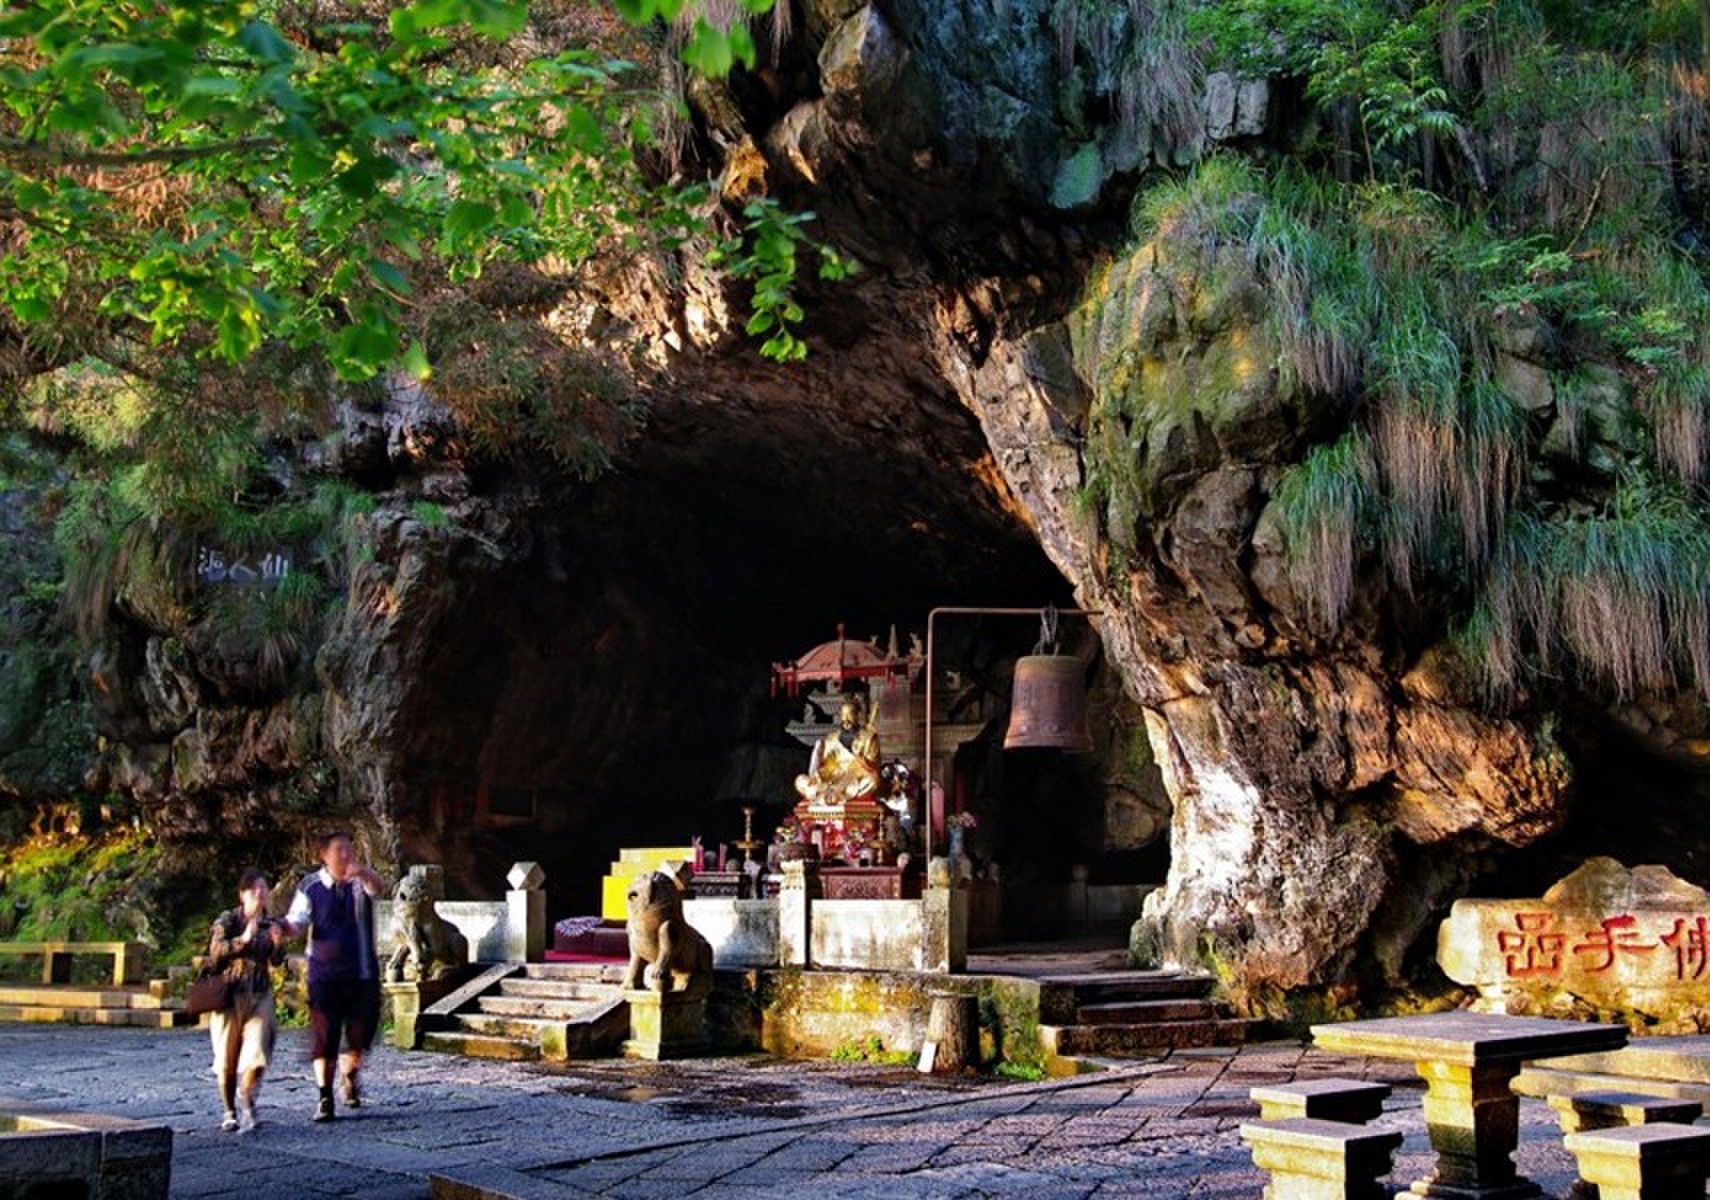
(845, 762)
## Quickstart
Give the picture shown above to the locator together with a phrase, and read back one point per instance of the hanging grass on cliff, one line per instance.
(1485, 297)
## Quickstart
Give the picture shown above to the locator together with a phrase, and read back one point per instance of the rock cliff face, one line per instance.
(1010, 395)
(1335, 784)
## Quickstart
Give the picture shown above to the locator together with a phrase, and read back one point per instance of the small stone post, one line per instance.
(944, 907)
(525, 914)
(795, 908)
(952, 1033)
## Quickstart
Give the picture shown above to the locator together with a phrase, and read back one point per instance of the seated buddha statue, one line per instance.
(845, 762)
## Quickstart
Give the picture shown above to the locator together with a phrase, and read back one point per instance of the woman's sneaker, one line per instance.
(352, 1091)
(246, 1118)
(324, 1110)
(230, 1122)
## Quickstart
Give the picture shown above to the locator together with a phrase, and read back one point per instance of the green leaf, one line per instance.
(583, 130)
(367, 344)
(30, 308)
(264, 42)
(121, 55)
(213, 87)
(709, 51)
(640, 12)
(498, 18)
(467, 217)
(239, 333)
(415, 361)
(388, 276)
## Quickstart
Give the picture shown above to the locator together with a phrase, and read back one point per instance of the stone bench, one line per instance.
(48, 1152)
(1311, 1159)
(130, 959)
(1585, 1111)
(1643, 1162)
(1348, 1101)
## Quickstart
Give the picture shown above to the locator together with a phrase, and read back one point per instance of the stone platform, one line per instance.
(721, 1128)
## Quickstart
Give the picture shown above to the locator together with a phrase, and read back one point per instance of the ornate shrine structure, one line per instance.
(859, 826)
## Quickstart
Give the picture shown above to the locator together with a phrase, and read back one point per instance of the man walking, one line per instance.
(333, 906)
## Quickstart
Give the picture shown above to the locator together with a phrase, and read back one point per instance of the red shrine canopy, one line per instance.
(840, 661)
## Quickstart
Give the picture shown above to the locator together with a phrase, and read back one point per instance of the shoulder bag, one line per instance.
(209, 992)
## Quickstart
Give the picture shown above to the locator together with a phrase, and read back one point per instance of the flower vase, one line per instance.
(958, 835)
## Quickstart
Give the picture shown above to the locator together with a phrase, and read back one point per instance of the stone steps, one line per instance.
(538, 1007)
(1125, 1014)
(478, 1045)
(67, 996)
(527, 1029)
(554, 1011)
(571, 972)
(158, 1018)
(1111, 986)
(548, 989)
(1142, 1012)
(1143, 1038)
(74, 1005)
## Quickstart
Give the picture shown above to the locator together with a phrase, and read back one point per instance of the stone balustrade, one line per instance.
(800, 927)
(510, 930)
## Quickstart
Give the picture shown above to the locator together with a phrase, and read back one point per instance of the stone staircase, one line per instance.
(92, 1005)
(1121, 1014)
(529, 1011)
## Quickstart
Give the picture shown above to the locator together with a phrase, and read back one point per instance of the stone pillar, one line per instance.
(408, 1000)
(1474, 1121)
(666, 1024)
(795, 912)
(944, 907)
(525, 914)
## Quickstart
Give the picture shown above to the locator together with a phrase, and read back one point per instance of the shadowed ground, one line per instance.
(715, 1127)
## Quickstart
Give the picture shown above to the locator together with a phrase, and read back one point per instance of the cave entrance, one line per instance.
(610, 687)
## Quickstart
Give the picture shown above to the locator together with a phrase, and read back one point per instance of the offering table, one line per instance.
(1467, 1060)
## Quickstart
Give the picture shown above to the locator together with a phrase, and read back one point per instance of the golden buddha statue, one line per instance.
(845, 762)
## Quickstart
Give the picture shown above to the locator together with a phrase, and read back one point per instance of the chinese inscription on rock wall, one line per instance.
(1628, 941)
(214, 565)
(1543, 945)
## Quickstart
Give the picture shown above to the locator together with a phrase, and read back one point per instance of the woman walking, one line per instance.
(244, 945)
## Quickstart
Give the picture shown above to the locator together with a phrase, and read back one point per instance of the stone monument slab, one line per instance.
(1605, 939)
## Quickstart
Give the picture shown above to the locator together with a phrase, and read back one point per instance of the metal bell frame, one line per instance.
(1048, 622)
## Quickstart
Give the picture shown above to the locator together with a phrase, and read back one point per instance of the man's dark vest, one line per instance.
(341, 932)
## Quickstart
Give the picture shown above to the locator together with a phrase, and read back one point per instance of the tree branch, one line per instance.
(54, 156)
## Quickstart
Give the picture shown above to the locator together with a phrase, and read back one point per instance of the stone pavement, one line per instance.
(725, 1127)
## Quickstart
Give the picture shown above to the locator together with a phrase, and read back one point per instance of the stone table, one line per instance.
(1467, 1061)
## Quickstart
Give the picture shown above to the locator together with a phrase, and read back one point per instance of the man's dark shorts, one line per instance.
(350, 1006)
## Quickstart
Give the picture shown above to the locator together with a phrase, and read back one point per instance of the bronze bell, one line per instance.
(1048, 707)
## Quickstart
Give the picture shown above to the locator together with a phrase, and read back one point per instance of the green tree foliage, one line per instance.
(199, 169)
(220, 172)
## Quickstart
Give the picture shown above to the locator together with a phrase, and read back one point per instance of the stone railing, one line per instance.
(508, 930)
(801, 928)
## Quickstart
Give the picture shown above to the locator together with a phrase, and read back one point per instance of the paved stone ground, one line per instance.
(727, 1127)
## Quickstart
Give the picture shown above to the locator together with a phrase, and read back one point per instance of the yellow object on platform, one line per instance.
(614, 888)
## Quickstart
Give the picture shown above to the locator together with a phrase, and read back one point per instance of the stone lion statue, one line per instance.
(666, 953)
(428, 946)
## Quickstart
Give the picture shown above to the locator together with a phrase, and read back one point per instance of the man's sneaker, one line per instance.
(324, 1110)
(230, 1123)
(352, 1091)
